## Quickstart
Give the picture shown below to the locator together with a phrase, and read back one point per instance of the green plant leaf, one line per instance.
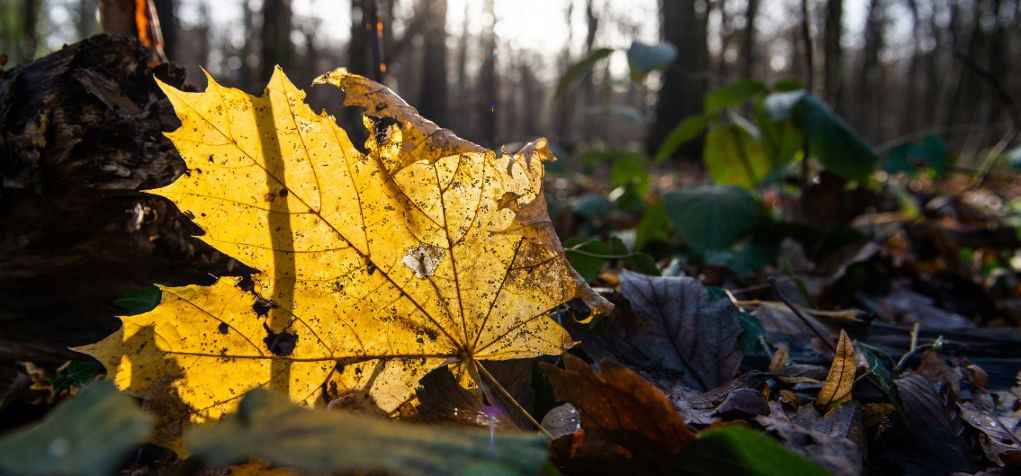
(882, 373)
(88, 435)
(577, 70)
(645, 58)
(638, 261)
(753, 330)
(687, 130)
(269, 427)
(738, 450)
(711, 217)
(911, 157)
(140, 300)
(592, 205)
(745, 259)
(838, 147)
(732, 95)
(734, 156)
(77, 373)
(652, 225)
(633, 171)
(586, 256)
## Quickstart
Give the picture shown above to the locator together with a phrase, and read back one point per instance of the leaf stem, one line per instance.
(503, 391)
(597, 255)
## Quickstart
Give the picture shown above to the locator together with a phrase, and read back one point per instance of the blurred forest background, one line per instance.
(895, 70)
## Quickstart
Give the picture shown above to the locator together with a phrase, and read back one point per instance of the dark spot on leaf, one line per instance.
(262, 307)
(381, 128)
(222, 328)
(211, 158)
(340, 366)
(282, 343)
(371, 268)
(419, 340)
(283, 192)
(431, 333)
(246, 284)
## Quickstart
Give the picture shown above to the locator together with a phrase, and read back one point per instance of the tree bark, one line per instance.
(488, 81)
(80, 135)
(833, 55)
(748, 40)
(166, 10)
(684, 81)
(29, 32)
(432, 94)
(275, 37)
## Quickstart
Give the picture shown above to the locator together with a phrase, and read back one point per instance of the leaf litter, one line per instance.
(388, 273)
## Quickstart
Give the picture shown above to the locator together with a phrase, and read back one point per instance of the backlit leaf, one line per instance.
(375, 267)
(735, 157)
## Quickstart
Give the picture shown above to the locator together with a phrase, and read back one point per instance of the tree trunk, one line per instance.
(85, 18)
(833, 55)
(488, 80)
(684, 81)
(358, 48)
(432, 95)
(166, 10)
(869, 76)
(29, 32)
(748, 40)
(275, 37)
(82, 132)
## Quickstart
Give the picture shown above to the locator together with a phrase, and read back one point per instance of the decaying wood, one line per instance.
(80, 135)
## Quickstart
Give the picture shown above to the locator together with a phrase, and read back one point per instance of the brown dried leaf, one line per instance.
(625, 420)
(840, 379)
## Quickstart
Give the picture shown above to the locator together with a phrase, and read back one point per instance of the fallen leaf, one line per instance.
(443, 400)
(780, 358)
(375, 268)
(88, 435)
(269, 427)
(998, 417)
(840, 379)
(929, 440)
(674, 333)
(627, 425)
(835, 452)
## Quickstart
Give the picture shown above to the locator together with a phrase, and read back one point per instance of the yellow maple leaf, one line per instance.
(374, 268)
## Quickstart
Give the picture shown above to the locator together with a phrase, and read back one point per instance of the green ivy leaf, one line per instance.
(911, 157)
(838, 147)
(711, 217)
(586, 256)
